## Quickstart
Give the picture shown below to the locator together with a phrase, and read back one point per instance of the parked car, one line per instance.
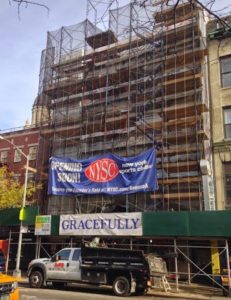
(2, 262)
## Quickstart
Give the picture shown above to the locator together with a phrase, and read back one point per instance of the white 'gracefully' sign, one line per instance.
(121, 224)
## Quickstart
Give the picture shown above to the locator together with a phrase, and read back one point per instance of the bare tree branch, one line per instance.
(205, 6)
(222, 21)
(28, 2)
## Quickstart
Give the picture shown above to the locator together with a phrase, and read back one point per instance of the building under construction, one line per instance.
(124, 80)
(131, 78)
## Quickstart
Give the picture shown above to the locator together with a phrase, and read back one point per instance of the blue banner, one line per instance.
(105, 174)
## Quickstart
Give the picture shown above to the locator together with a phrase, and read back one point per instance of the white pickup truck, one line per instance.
(127, 271)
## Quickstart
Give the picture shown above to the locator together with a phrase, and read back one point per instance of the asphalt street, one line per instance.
(86, 292)
(98, 293)
(76, 293)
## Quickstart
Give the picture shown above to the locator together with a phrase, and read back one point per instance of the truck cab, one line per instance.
(65, 264)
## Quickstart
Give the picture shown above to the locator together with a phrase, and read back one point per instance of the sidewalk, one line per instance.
(193, 291)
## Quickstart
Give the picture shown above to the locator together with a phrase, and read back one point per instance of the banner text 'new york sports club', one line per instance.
(105, 174)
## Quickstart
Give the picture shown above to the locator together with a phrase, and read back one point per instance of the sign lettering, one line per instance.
(108, 174)
(101, 224)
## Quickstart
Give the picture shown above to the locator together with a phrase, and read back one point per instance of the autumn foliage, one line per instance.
(11, 191)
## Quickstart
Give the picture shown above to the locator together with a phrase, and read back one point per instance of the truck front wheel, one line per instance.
(121, 286)
(36, 279)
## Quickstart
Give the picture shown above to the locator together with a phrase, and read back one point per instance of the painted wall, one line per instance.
(22, 139)
(220, 97)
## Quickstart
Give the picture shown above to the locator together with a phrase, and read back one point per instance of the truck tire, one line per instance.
(36, 279)
(141, 291)
(121, 286)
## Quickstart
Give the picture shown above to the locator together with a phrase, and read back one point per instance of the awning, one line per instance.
(10, 216)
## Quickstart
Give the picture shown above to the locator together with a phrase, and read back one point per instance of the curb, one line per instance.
(177, 295)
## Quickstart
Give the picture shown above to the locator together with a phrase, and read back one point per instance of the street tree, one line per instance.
(11, 191)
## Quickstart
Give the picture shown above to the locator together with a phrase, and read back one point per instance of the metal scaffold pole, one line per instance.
(176, 265)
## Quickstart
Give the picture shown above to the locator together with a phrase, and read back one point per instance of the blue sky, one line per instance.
(22, 41)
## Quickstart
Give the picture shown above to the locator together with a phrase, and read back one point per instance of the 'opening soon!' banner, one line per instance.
(106, 174)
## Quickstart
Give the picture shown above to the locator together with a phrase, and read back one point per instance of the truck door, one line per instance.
(73, 269)
(57, 268)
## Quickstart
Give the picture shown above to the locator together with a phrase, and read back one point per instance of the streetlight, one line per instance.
(17, 271)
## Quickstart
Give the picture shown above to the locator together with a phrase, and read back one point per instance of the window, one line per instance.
(17, 177)
(31, 177)
(32, 152)
(17, 156)
(227, 122)
(3, 156)
(2, 263)
(225, 63)
(64, 254)
(227, 175)
(76, 254)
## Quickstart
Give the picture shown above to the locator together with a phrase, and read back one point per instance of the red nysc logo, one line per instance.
(102, 170)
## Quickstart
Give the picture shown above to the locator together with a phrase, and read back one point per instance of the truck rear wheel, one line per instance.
(141, 291)
(36, 279)
(121, 286)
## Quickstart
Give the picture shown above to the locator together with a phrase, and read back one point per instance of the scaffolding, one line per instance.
(175, 263)
(126, 79)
